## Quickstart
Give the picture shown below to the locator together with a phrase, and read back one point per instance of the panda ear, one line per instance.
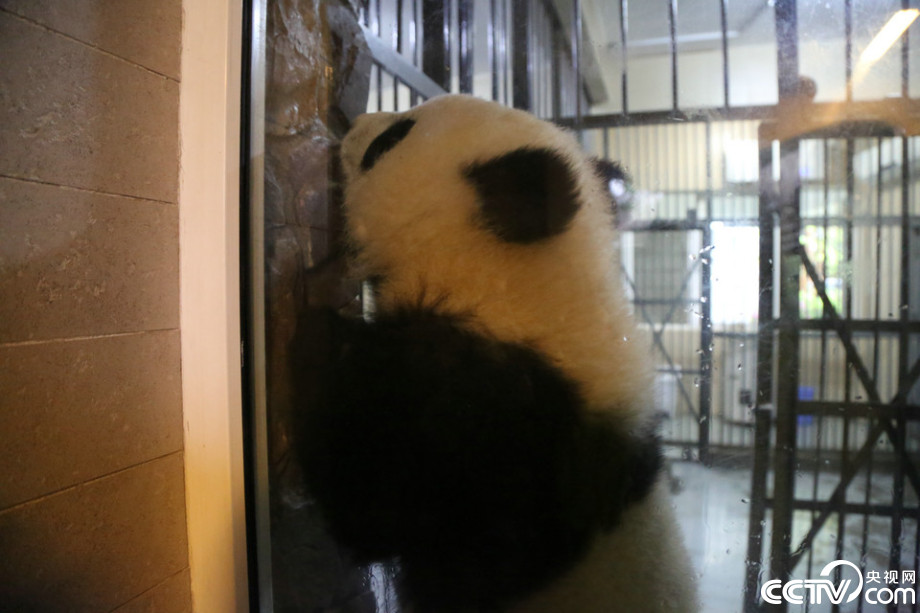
(615, 182)
(525, 195)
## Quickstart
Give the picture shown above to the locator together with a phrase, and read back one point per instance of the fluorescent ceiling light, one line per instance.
(887, 36)
(702, 37)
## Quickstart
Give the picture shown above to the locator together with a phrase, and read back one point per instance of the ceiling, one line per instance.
(699, 28)
(699, 24)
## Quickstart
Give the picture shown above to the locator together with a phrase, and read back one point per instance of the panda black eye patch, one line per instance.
(385, 141)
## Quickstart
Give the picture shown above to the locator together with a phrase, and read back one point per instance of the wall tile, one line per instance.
(72, 115)
(172, 596)
(76, 410)
(93, 547)
(78, 263)
(143, 32)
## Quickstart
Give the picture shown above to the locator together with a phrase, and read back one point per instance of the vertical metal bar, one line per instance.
(723, 16)
(506, 67)
(867, 498)
(556, 58)
(398, 27)
(764, 397)
(450, 39)
(767, 208)
(848, 47)
(465, 26)
(436, 41)
(879, 195)
(788, 334)
(847, 373)
(576, 57)
(787, 48)
(252, 255)
(534, 61)
(706, 344)
(875, 336)
(624, 31)
(672, 33)
(546, 67)
(398, 45)
(378, 27)
(520, 60)
(903, 356)
(788, 372)
(540, 69)
(905, 57)
(706, 332)
(822, 374)
(493, 49)
(416, 48)
(762, 417)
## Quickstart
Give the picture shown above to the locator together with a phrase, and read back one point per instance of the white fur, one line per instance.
(412, 218)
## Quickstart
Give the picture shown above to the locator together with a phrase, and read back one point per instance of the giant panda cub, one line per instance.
(488, 429)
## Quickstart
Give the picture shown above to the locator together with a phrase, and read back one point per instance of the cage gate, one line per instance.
(835, 373)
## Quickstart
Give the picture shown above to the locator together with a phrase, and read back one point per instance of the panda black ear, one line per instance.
(615, 182)
(525, 195)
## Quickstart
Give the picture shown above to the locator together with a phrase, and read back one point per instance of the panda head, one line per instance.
(459, 191)
(470, 208)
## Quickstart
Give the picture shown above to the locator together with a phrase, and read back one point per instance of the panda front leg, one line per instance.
(472, 463)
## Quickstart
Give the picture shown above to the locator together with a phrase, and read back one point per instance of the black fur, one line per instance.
(609, 171)
(385, 141)
(525, 195)
(470, 461)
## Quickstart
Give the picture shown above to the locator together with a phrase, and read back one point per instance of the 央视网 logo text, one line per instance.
(893, 587)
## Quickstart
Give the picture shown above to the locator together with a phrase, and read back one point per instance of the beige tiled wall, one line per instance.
(92, 495)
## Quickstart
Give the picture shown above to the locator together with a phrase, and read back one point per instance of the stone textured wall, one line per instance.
(317, 82)
(92, 491)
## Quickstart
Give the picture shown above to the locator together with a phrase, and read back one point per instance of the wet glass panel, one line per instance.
(701, 217)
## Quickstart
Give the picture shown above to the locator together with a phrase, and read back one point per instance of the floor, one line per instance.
(713, 508)
(713, 505)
